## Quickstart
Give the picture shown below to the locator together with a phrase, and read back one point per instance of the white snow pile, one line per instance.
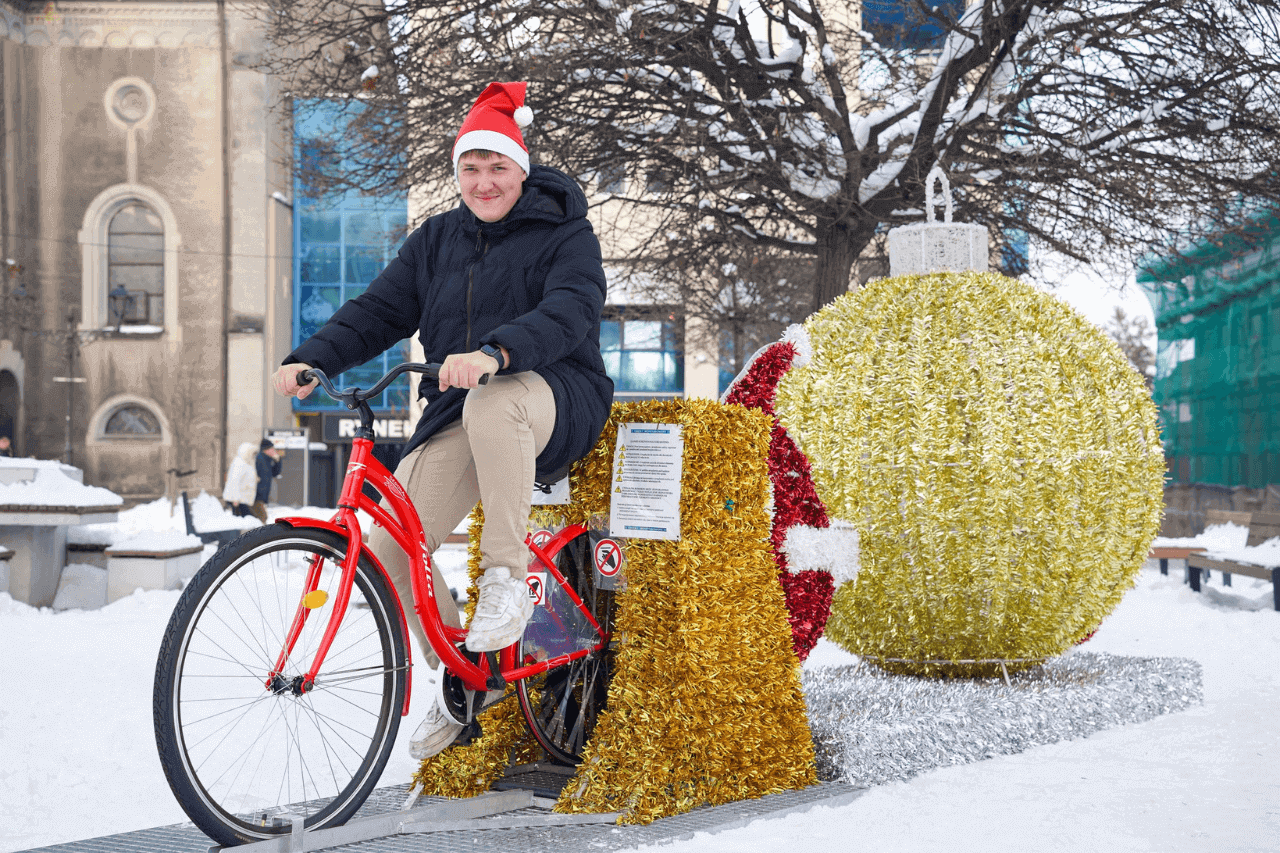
(160, 515)
(1215, 537)
(82, 587)
(158, 540)
(208, 514)
(1227, 542)
(51, 487)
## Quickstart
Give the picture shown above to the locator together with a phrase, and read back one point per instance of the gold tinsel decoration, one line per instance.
(999, 457)
(705, 705)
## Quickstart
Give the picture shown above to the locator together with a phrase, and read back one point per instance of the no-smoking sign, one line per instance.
(608, 557)
(540, 538)
(537, 583)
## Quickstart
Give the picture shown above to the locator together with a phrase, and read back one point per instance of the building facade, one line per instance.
(146, 228)
(1217, 382)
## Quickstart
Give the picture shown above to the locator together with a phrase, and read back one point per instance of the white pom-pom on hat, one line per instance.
(523, 117)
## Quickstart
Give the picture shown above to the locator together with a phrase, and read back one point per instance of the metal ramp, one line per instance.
(512, 820)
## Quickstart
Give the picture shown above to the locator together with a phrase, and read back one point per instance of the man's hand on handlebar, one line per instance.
(286, 381)
(463, 370)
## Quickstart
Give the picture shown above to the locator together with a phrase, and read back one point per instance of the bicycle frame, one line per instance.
(402, 523)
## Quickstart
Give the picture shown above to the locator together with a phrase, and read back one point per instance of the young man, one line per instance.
(509, 283)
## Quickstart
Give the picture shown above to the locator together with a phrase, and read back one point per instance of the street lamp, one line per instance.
(118, 303)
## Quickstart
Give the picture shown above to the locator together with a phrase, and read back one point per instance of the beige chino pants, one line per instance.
(488, 455)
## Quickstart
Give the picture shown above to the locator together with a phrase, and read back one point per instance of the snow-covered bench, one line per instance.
(1259, 558)
(1223, 529)
(153, 560)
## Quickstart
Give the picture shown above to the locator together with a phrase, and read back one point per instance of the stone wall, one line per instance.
(1185, 504)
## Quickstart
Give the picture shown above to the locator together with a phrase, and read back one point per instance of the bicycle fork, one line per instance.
(313, 597)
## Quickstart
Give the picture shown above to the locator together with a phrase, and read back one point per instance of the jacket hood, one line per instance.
(247, 451)
(549, 196)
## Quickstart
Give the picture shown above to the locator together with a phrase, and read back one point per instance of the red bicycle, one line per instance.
(285, 668)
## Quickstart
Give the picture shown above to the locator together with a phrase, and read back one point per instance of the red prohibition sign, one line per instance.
(608, 557)
(541, 538)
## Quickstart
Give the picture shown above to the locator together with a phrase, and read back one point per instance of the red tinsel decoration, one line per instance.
(795, 501)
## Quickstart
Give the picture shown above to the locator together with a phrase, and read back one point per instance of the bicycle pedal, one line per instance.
(470, 732)
(495, 680)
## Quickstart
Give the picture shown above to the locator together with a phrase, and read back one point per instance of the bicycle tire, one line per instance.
(239, 753)
(569, 699)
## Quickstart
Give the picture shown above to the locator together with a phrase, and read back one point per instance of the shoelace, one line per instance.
(490, 605)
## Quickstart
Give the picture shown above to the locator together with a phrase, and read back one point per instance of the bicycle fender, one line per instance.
(547, 553)
(333, 527)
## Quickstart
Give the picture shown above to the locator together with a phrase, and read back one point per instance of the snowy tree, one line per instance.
(784, 126)
(1134, 336)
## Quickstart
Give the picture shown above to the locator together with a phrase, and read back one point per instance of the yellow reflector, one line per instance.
(315, 598)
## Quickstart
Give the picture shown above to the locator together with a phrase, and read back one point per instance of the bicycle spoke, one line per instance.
(315, 752)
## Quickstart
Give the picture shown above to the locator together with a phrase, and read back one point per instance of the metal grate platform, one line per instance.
(185, 838)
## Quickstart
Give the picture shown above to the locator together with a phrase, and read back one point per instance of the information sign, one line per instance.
(645, 490)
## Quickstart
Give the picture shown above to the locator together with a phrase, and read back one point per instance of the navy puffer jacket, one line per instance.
(532, 282)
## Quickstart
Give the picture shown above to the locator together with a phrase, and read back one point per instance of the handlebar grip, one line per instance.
(305, 377)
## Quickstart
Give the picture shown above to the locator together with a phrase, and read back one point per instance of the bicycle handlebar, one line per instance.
(355, 396)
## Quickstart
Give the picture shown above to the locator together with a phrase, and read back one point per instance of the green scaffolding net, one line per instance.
(1217, 382)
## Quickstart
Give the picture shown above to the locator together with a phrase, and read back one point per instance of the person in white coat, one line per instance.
(242, 481)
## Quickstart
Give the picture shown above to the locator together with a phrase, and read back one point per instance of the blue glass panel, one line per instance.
(319, 263)
(610, 335)
(342, 241)
(612, 366)
(318, 305)
(642, 334)
(320, 225)
(363, 264)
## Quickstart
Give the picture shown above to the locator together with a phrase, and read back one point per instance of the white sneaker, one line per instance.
(436, 731)
(502, 611)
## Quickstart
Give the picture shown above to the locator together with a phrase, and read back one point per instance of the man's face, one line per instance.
(490, 185)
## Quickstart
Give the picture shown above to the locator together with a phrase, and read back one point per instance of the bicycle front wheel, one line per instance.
(241, 749)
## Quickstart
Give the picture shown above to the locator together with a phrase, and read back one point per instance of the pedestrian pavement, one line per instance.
(501, 837)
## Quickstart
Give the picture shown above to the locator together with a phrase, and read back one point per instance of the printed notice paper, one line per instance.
(646, 481)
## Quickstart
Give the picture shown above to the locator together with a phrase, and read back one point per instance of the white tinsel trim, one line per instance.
(743, 372)
(831, 549)
(798, 337)
(523, 117)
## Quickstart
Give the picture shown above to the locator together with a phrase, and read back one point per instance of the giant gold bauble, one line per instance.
(999, 456)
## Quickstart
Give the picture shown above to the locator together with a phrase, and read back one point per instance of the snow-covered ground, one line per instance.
(77, 753)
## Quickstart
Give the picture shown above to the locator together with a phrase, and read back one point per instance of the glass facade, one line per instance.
(642, 355)
(341, 242)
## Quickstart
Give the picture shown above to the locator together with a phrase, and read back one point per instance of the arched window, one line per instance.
(129, 244)
(135, 266)
(131, 421)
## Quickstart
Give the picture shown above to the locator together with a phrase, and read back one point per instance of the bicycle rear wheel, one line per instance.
(240, 749)
(569, 699)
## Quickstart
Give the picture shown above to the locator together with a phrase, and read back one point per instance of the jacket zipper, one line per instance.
(481, 248)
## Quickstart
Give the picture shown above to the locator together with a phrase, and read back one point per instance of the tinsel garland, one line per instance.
(999, 457)
(467, 771)
(808, 593)
(705, 704)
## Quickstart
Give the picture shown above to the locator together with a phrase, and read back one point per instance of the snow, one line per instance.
(157, 540)
(76, 719)
(51, 487)
(1216, 537)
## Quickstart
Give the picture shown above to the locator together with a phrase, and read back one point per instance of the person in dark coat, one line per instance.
(509, 283)
(267, 464)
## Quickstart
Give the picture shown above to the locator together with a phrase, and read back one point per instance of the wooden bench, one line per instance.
(1262, 526)
(1165, 553)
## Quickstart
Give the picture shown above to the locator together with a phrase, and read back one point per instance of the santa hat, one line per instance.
(494, 124)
